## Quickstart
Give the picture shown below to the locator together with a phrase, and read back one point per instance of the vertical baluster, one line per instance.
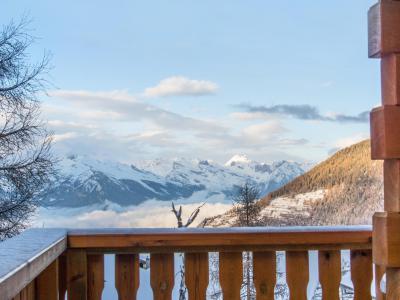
(162, 275)
(264, 268)
(77, 275)
(47, 283)
(330, 273)
(379, 271)
(62, 276)
(95, 276)
(28, 293)
(196, 275)
(297, 274)
(231, 274)
(392, 284)
(127, 276)
(17, 297)
(361, 273)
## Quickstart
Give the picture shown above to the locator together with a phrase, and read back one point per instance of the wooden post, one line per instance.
(384, 43)
(77, 275)
(47, 283)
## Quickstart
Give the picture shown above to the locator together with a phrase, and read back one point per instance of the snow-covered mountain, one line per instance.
(83, 181)
(345, 189)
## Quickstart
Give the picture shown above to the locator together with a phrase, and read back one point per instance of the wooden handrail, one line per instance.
(24, 257)
(40, 270)
(221, 239)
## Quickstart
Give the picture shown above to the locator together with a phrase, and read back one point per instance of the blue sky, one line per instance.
(144, 79)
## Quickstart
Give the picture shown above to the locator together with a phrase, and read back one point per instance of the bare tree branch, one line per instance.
(25, 159)
(193, 215)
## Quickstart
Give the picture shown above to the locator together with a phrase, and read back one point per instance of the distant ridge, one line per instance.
(353, 184)
(345, 189)
(86, 181)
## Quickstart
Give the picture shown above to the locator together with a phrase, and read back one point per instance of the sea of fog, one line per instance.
(151, 213)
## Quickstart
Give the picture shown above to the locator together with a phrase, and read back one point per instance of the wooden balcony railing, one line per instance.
(44, 264)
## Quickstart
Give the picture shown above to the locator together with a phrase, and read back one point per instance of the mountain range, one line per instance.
(345, 189)
(83, 181)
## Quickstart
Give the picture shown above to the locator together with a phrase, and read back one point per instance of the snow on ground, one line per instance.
(281, 209)
(299, 205)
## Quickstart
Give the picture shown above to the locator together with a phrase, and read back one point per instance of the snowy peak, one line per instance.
(83, 180)
(81, 166)
(238, 159)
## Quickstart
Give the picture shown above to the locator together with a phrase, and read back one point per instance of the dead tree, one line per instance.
(190, 220)
(25, 160)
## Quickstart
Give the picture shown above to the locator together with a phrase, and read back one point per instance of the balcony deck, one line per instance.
(46, 263)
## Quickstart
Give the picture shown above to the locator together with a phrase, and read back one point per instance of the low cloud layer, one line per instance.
(306, 112)
(181, 86)
(147, 214)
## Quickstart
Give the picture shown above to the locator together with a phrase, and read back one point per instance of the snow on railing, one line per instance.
(25, 256)
(36, 256)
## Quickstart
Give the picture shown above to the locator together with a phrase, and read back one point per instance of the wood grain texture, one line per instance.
(330, 275)
(231, 274)
(95, 276)
(383, 29)
(264, 268)
(385, 136)
(374, 32)
(62, 276)
(386, 240)
(390, 79)
(391, 174)
(200, 240)
(379, 271)
(28, 293)
(361, 273)
(297, 274)
(162, 275)
(77, 274)
(47, 283)
(392, 283)
(127, 276)
(17, 297)
(196, 275)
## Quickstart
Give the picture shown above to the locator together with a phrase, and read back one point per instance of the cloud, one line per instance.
(348, 141)
(260, 131)
(158, 138)
(306, 112)
(247, 116)
(124, 107)
(181, 86)
(118, 125)
(148, 214)
(327, 84)
(64, 136)
(262, 136)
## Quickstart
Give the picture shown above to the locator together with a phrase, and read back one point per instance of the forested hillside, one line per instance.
(347, 188)
(353, 188)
